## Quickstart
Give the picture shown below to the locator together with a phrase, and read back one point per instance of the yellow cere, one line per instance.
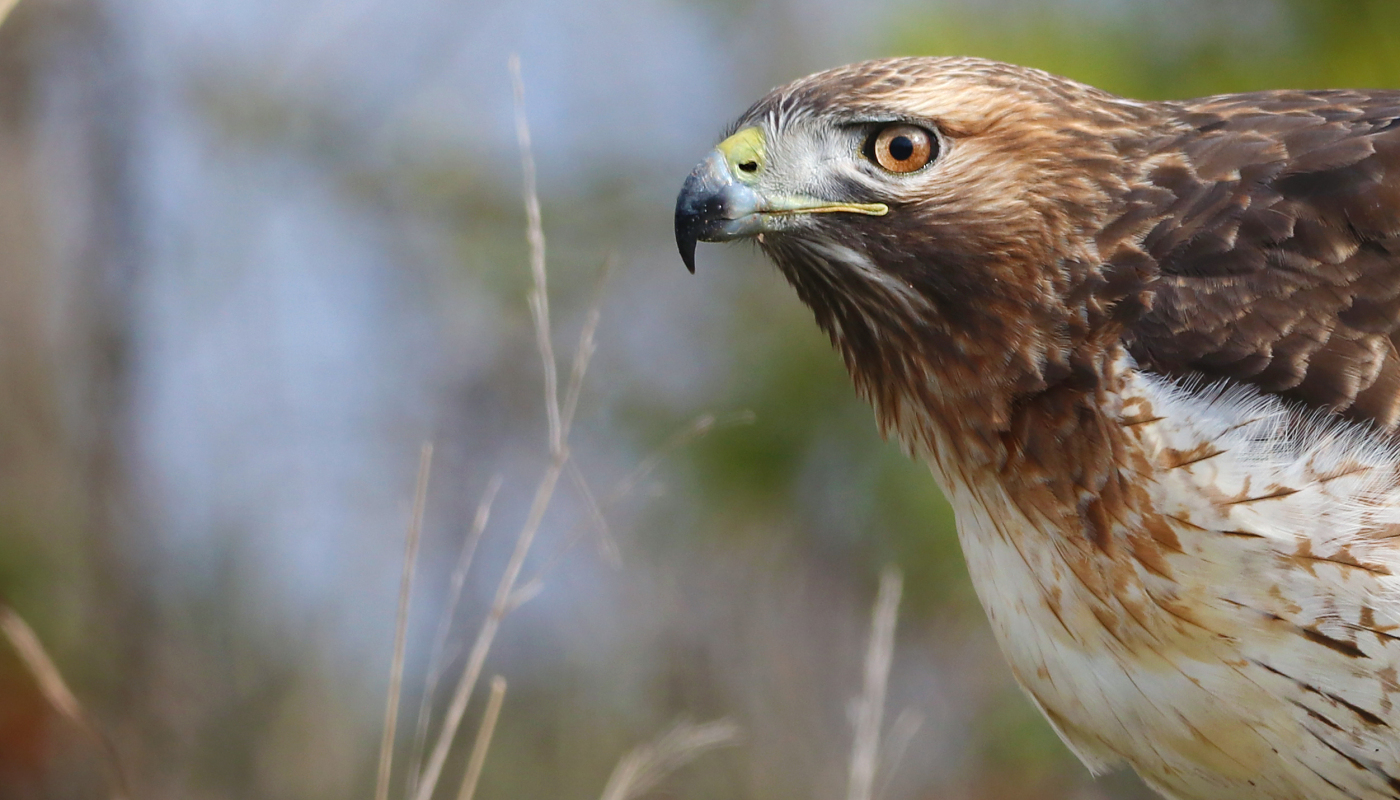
(744, 153)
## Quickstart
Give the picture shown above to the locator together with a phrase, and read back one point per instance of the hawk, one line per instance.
(1149, 352)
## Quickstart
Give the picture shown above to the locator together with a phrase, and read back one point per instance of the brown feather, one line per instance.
(1276, 244)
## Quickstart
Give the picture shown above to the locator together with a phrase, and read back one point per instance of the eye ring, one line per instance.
(902, 148)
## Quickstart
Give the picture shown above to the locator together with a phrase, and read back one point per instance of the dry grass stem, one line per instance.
(870, 708)
(539, 289)
(587, 338)
(647, 765)
(527, 592)
(698, 427)
(437, 655)
(483, 738)
(586, 345)
(55, 690)
(906, 726)
(506, 597)
(410, 561)
(607, 543)
(482, 646)
(37, 661)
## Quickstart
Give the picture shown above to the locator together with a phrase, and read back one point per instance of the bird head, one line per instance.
(938, 215)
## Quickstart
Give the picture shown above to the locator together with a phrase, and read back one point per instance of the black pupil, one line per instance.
(901, 148)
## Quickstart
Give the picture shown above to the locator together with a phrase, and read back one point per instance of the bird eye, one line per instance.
(902, 148)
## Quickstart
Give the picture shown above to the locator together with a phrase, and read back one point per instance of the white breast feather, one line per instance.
(1282, 684)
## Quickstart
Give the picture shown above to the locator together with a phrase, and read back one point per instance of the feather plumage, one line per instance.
(1151, 352)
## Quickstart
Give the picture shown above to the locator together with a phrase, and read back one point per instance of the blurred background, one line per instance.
(253, 254)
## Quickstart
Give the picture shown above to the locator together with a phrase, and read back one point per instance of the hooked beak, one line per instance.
(716, 205)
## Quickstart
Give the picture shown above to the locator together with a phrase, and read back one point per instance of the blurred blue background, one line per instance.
(253, 254)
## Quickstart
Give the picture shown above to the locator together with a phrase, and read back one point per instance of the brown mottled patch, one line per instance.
(1138, 412)
(1305, 556)
(1382, 532)
(1382, 632)
(1387, 676)
(1344, 557)
(1317, 715)
(1345, 755)
(1053, 605)
(1366, 716)
(1346, 648)
(1274, 492)
(1175, 459)
(1162, 533)
(1148, 552)
(1389, 687)
(1099, 526)
(1181, 612)
(1109, 621)
(1341, 472)
(1288, 605)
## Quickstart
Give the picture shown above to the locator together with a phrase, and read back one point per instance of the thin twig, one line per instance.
(870, 708)
(55, 690)
(647, 765)
(483, 738)
(410, 560)
(506, 597)
(436, 658)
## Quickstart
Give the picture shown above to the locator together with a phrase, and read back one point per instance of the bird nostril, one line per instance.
(749, 166)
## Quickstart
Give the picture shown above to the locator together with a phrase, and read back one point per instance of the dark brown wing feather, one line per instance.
(1277, 242)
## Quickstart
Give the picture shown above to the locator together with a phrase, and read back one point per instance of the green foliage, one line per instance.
(1176, 50)
(788, 375)
(918, 522)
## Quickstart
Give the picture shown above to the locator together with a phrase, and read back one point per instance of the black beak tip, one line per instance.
(686, 238)
(690, 221)
(688, 254)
